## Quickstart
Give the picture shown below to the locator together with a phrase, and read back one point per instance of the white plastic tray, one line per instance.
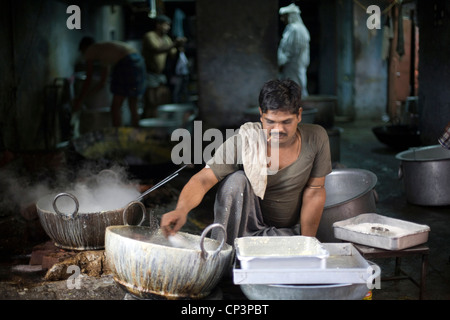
(344, 265)
(382, 232)
(280, 252)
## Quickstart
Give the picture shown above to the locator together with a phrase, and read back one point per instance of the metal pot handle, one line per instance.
(109, 172)
(126, 209)
(63, 215)
(377, 271)
(202, 239)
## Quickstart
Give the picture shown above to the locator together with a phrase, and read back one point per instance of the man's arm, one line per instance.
(314, 197)
(190, 197)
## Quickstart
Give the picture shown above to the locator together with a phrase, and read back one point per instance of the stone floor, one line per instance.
(359, 148)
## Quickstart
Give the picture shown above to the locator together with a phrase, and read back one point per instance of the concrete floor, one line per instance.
(359, 149)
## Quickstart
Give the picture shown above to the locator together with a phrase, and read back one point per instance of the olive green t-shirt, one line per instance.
(283, 195)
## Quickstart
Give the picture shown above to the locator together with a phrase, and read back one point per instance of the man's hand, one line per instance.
(171, 222)
(190, 197)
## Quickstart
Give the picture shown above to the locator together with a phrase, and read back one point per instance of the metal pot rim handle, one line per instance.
(204, 253)
(126, 209)
(109, 172)
(63, 215)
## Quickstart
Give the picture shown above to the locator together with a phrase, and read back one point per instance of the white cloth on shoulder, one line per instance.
(254, 156)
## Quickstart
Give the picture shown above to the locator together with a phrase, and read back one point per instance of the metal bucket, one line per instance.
(425, 172)
(145, 264)
(350, 192)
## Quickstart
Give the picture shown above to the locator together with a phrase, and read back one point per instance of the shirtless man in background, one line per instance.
(156, 47)
(127, 69)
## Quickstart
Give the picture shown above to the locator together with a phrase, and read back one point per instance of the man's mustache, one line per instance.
(277, 134)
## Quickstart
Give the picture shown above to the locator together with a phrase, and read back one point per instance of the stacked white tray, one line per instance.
(270, 260)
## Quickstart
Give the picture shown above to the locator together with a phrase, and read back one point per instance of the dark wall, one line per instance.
(237, 45)
(434, 68)
(36, 47)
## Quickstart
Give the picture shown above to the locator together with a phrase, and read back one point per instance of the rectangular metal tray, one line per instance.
(382, 232)
(280, 252)
(344, 265)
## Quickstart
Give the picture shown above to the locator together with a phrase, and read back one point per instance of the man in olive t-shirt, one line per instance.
(290, 200)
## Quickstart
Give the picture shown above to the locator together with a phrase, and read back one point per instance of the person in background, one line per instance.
(293, 50)
(156, 46)
(283, 195)
(444, 139)
(127, 70)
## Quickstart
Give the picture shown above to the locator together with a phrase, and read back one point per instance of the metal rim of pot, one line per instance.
(402, 156)
(371, 188)
(204, 253)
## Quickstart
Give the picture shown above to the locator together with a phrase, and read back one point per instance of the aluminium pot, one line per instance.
(350, 192)
(425, 173)
(146, 265)
(76, 230)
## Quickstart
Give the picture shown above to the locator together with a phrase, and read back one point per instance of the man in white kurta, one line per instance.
(293, 50)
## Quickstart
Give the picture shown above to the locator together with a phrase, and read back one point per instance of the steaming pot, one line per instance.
(145, 264)
(77, 230)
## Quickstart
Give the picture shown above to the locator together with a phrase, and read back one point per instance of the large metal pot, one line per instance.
(398, 136)
(339, 291)
(350, 192)
(425, 172)
(76, 230)
(145, 264)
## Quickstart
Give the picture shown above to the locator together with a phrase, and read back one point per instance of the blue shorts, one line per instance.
(128, 76)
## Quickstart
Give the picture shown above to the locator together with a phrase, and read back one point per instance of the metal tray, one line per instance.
(344, 265)
(382, 232)
(280, 252)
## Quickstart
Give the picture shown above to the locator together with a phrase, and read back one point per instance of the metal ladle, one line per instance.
(159, 184)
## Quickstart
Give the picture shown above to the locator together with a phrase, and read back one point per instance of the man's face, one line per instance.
(163, 27)
(280, 125)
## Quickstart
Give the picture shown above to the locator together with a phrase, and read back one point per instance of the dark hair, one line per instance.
(85, 43)
(163, 19)
(284, 95)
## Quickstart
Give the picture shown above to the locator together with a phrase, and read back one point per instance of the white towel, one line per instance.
(254, 156)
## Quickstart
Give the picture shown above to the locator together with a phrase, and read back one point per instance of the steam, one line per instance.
(95, 190)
